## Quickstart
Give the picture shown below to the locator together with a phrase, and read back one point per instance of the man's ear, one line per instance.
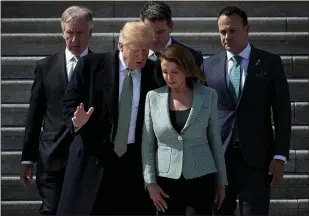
(247, 28)
(120, 46)
(171, 26)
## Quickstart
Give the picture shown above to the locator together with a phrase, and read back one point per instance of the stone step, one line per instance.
(19, 91)
(181, 24)
(278, 207)
(10, 161)
(296, 67)
(283, 43)
(132, 8)
(293, 186)
(12, 138)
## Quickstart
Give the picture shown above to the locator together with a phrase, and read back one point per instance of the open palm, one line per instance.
(81, 116)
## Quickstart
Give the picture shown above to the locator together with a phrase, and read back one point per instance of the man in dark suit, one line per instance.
(251, 86)
(49, 147)
(112, 88)
(158, 16)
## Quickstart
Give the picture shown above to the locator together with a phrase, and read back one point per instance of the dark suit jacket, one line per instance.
(50, 147)
(198, 60)
(265, 90)
(96, 83)
(196, 54)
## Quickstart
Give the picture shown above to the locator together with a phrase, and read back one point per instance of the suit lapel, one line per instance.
(164, 108)
(61, 71)
(197, 103)
(251, 70)
(61, 68)
(144, 88)
(109, 76)
(221, 77)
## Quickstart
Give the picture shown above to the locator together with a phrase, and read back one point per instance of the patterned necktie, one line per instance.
(235, 75)
(124, 116)
(74, 63)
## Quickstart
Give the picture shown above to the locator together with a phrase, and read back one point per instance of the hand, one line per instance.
(220, 196)
(26, 172)
(276, 169)
(80, 116)
(156, 193)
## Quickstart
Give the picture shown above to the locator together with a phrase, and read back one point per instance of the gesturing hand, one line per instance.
(156, 194)
(80, 116)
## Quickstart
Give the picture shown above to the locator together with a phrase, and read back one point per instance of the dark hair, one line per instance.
(156, 11)
(230, 10)
(184, 59)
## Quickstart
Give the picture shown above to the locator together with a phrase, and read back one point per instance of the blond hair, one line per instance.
(135, 31)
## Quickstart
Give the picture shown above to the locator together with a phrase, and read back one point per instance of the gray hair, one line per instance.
(74, 12)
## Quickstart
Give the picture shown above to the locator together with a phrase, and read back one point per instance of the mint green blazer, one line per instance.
(195, 151)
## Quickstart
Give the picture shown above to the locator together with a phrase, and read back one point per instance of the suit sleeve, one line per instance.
(75, 93)
(148, 146)
(215, 142)
(36, 112)
(281, 107)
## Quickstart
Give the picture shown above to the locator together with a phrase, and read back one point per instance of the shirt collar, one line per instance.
(123, 66)
(69, 55)
(169, 42)
(244, 54)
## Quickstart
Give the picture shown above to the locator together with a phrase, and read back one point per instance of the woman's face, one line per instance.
(173, 76)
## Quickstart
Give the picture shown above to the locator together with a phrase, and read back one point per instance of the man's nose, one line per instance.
(75, 37)
(228, 36)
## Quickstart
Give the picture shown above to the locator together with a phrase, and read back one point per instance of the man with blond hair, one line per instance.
(49, 148)
(104, 106)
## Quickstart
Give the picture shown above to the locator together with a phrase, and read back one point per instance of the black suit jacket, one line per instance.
(96, 84)
(198, 60)
(265, 90)
(196, 54)
(49, 147)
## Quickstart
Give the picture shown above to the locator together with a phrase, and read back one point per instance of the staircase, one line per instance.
(31, 31)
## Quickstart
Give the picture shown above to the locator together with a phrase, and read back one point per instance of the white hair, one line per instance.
(74, 12)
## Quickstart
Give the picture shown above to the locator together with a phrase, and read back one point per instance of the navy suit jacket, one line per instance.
(266, 91)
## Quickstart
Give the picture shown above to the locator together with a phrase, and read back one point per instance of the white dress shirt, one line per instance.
(69, 66)
(152, 55)
(245, 54)
(136, 76)
(69, 63)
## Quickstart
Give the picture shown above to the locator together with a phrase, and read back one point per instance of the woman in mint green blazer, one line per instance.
(183, 159)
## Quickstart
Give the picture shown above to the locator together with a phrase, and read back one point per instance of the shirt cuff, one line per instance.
(280, 157)
(27, 162)
(76, 129)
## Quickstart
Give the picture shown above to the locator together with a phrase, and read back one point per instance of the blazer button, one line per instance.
(97, 161)
(179, 138)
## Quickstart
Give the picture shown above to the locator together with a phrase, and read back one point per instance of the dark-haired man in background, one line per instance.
(251, 85)
(158, 16)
